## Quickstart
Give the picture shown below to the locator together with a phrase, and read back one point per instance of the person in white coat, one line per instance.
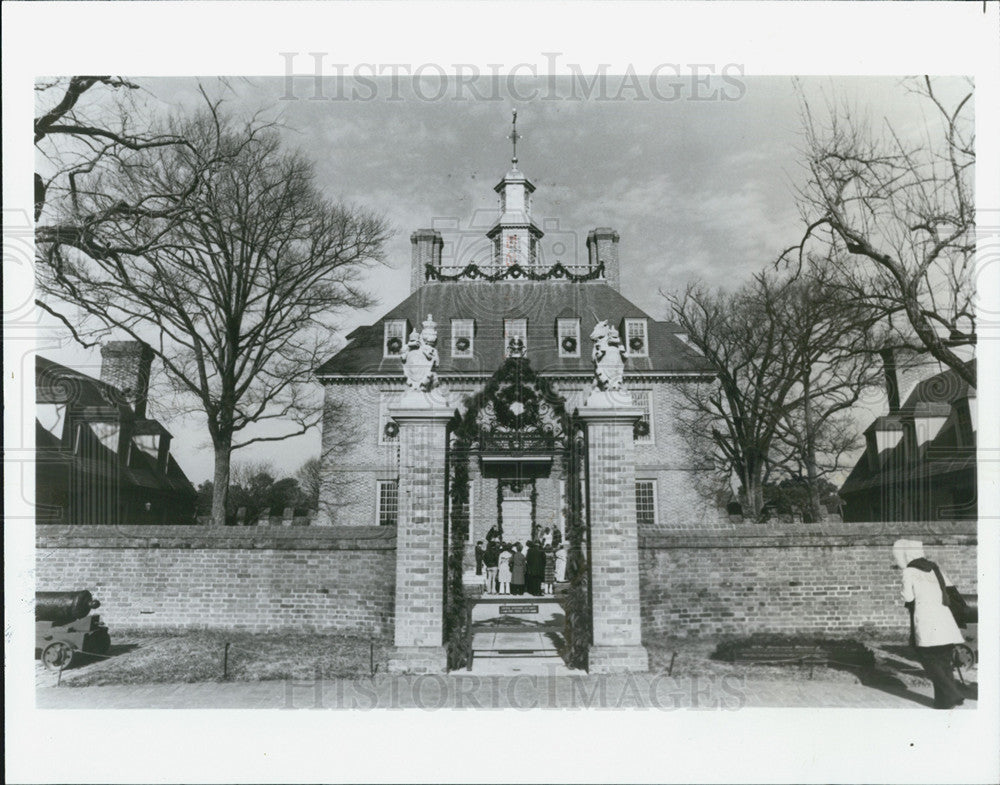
(934, 632)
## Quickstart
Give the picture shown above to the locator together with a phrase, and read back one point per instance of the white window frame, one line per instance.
(389, 330)
(472, 512)
(508, 333)
(643, 326)
(644, 400)
(573, 324)
(463, 328)
(379, 484)
(386, 399)
(656, 510)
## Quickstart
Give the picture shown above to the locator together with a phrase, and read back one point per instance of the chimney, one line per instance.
(125, 365)
(602, 248)
(427, 245)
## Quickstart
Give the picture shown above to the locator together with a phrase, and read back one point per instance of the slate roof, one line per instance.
(98, 401)
(948, 453)
(541, 303)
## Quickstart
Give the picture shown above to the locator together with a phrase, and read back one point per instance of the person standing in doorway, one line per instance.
(536, 569)
(933, 631)
(561, 562)
(550, 570)
(480, 552)
(503, 571)
(518, 563)
(491, 560)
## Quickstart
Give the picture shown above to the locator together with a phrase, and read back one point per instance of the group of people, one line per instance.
(512, 568)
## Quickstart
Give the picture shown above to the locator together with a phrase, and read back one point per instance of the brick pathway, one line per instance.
(473, 690)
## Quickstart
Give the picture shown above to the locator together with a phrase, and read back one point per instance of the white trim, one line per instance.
(508, 333)
(573, 323)
(386, 398)
(644, 325)
(389, 327)
(472, 512)
(378, 500)
(470, 325)
(650, 412)
(656, 506)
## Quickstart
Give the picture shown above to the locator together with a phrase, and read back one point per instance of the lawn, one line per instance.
(144, 657)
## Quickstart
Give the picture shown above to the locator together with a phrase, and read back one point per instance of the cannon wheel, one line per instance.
(57, 656)
(963, 657)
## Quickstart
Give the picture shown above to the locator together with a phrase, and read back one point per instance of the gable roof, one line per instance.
(541, 303)
(947, 453)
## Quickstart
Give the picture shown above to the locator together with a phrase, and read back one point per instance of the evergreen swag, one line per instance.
(473, 272)
(464, 435)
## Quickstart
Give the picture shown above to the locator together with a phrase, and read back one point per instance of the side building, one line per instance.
(100, 460)
(919, 462)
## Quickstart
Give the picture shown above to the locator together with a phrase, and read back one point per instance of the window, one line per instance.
(388, 502)
(568, 335)
(462, 335)
(644, 427)
(394, 339)
(645, 502)
(388, 430)
(514, 328)
(636, 341)
(471, 510)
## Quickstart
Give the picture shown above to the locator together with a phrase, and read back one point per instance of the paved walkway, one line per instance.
(541, 688)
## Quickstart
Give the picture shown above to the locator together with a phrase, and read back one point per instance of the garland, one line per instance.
(517, 372)
(474, 272)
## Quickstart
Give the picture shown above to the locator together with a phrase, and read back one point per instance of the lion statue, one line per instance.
(609, 357)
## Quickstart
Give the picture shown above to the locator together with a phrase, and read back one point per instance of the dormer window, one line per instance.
(568, 336)
(394, 338)
(515, 337)
(636, 339)
(462, 336)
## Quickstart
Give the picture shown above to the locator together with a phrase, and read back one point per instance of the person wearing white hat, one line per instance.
(933, 630)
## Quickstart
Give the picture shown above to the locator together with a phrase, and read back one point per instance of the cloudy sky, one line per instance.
(695, 188)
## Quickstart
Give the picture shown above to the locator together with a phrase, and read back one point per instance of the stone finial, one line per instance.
(609, 357)
(421, 359)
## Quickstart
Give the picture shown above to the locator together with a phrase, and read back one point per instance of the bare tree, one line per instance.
(235, 285)
(791, 360)
(84, 126)
(835, 342)
(310, 477)
(901, 218)
(742, 335)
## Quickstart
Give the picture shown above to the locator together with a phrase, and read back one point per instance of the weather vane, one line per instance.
(514, 136)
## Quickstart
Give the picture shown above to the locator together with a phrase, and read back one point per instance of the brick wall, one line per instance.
(310, 579)
(354, 455)
(829, 579)
(790, 578)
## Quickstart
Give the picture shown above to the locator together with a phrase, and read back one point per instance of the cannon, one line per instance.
(64, 625)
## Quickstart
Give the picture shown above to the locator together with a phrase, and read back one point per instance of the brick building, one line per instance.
(510, 290)
(919, 462)
(100, 459)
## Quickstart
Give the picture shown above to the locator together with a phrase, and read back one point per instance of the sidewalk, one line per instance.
(472, 690)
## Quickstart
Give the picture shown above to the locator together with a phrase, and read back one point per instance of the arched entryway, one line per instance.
(513, 442)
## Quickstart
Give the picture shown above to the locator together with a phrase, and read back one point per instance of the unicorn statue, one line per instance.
(609, 357)
(421, 360)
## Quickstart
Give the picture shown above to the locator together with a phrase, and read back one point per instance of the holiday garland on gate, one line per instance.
(464, 431)
(473, 272)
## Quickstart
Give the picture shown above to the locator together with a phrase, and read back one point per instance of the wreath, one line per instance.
(569, 344)
(462, 344)
(636, 343)
(391, 429)
(508, 398)
(640, 429)
(394, 345)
